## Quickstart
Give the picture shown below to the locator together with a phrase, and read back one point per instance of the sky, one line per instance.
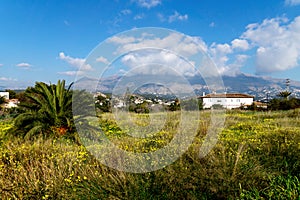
(45, 41)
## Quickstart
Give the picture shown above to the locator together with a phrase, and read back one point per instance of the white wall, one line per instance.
(4, 94)
(227, 102)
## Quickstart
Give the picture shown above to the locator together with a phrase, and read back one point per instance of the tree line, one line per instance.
(46, 109)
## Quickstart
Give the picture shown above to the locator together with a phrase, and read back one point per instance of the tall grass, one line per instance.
(256, 157)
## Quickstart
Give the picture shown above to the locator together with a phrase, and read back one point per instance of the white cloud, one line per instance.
(102, 59)
(122, 40)
(185, 46)
(161, 17)
(218, 53)
(176, 16)
(126, 12)
(147, 3)
(4, 79)
(78, 63)
(139, 16)
(157, 62)
(292, 2)
(72, 73)
(235, 66)
(119, 18)
(240, 44)
(278, 44)
(7, 79)
(221, 48)
(142, 48)
(226, 56)
(266, 32)
(212, 24)
(24, 65)
(1, 65)
(66, 23)
(241, 58)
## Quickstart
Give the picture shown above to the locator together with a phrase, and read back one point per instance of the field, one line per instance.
(257, 156)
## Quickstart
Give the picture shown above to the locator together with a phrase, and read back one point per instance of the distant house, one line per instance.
(99, 94)
(229, 101)
(260, 105)
(119, 104)
(12, 103)
(5, 95)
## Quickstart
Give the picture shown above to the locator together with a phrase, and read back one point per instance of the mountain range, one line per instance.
(262, 88)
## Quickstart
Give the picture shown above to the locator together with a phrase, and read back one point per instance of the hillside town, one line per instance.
(139, 103)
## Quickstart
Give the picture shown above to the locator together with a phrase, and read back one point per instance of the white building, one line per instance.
(5, 95)
(119, 104)
(229, 101)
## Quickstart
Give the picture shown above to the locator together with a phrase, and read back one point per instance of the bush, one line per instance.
(284, 104)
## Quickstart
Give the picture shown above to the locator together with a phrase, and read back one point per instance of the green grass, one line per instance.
(257, 156)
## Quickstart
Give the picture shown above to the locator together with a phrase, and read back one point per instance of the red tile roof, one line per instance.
(229, 95)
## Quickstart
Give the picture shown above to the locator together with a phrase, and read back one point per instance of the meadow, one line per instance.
(257, 156)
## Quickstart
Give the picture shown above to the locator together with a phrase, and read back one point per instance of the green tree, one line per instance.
(174, 105)
(192, 104)
(218, 106)
(12, 94)
(294, 103)
(284, 94)
(103, 103)
(142, 108)
(284, 104)
(47, 111)
(2, 100)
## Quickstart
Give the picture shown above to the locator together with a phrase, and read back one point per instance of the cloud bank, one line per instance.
(292, 2)
(24, 65)
(147, 3)
(77, 63)
(277, 43)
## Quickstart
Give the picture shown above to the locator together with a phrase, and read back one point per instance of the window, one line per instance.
(238, 100)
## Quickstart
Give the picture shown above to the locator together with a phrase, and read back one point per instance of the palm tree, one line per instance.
(284, 94)
(47, 111)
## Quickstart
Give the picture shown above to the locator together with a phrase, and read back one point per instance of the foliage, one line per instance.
(12, 93)
(174, 105)
(47, 111)
(103, 103)
(217, 106)
(284, 94)
(5, 125)
(284, 104)
(280, 187)
(139, 108)
(192, 104)
(2, 100)
(255, 107)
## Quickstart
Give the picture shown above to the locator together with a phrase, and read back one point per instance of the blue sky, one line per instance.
(49, 40)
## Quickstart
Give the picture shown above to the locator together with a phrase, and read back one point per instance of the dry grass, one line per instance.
(257, 156)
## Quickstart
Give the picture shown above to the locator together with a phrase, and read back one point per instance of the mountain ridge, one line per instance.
(260, 87)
